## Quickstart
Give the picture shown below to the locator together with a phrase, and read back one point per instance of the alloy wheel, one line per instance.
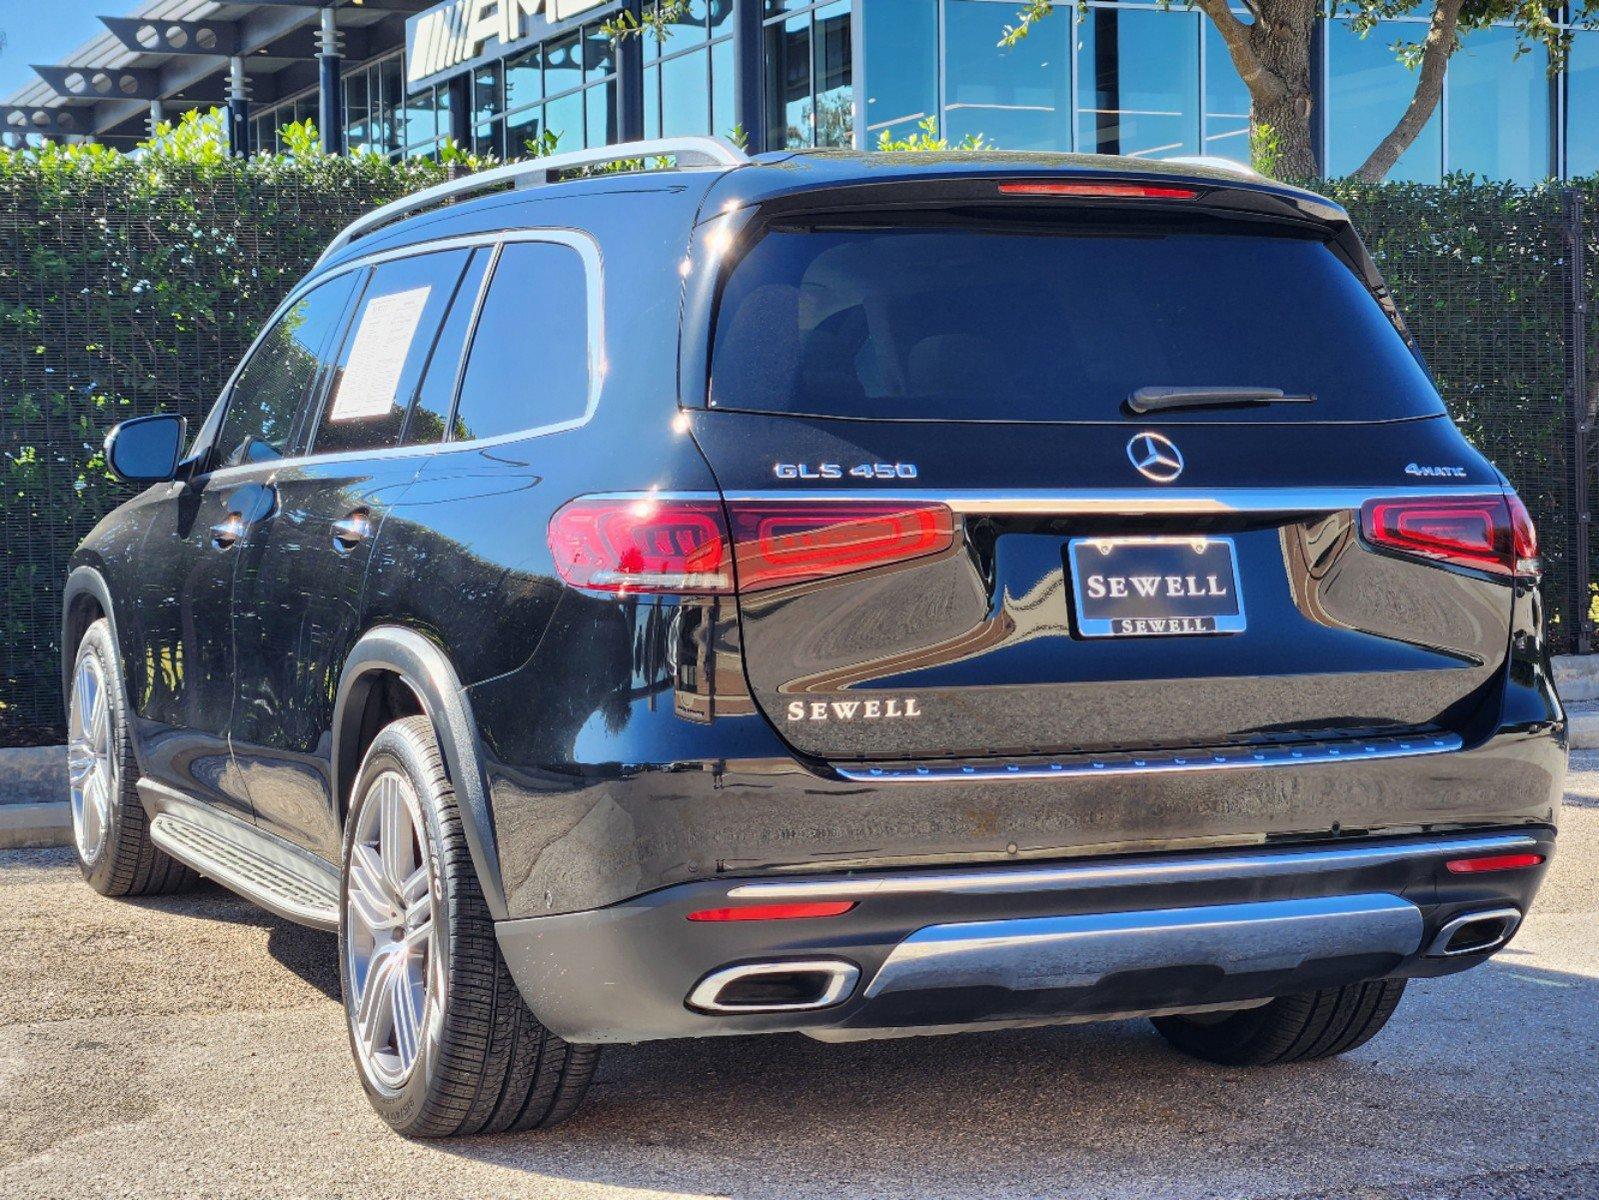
(91, 759)
(392, 960)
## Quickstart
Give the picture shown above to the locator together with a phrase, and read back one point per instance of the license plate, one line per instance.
(1155, 586)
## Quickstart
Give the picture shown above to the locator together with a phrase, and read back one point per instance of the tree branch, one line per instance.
(1235, 35)
(1440, 43)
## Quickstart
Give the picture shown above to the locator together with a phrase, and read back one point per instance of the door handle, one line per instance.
(227, 531)
(349, 532)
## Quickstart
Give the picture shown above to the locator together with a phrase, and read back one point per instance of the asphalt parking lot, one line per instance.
(193, 1045)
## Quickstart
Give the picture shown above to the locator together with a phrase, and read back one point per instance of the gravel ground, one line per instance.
(194, 1046)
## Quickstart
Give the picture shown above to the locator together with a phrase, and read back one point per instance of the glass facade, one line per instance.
(688, 76)
(809, 68)
(560, 92)
(1112, 77)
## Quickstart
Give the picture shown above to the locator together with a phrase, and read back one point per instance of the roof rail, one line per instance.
(688, 151)
(1216, 163)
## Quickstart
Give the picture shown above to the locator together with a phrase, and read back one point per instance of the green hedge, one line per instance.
(127, 286)
(131, 285)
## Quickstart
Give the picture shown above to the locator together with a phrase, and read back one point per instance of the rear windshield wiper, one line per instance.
(1158, 399)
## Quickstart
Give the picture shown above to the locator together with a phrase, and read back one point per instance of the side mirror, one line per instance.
(145, 449)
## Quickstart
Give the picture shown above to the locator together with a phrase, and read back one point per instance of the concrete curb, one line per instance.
(33, 806)
(25, 825)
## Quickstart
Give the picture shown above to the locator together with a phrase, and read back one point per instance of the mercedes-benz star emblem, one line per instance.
(1155, 456)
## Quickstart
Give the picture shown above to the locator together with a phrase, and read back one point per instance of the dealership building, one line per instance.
(400, 76)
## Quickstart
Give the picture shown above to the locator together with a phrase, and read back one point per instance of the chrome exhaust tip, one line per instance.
(1474, 932)
(793, 985)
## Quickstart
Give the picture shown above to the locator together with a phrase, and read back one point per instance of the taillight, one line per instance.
(783, 542)
(1481, 532)
(1146, 191)
(1524, 539)
(650, 544)
(642, 545)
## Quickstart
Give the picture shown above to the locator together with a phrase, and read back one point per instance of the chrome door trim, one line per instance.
(1134, 872)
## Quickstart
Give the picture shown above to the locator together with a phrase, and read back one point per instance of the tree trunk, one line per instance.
(1435, 52)
(1272, 57)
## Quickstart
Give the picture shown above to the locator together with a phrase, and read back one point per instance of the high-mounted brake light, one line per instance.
(1145, 191)
(1485, 533)
(1493, 862)
(775, 912)
(651, 544)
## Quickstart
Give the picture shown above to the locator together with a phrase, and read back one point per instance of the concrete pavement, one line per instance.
(192, 1045)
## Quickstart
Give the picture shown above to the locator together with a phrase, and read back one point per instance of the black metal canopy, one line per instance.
(179, 53)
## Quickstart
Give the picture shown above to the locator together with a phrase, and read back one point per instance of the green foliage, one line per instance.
(301, 139)
(929, 141)
(656, 20)
(1265, 149)
(1030, 15)
(131, 284)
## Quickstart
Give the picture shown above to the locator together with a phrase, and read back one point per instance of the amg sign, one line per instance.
(456, 32)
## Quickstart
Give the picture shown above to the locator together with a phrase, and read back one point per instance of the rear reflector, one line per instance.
(1486, 533)
(1144, 191)
(684, 546)
(774, 912)
(1493, 862)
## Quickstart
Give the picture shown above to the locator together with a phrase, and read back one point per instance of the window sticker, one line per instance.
(382, 344)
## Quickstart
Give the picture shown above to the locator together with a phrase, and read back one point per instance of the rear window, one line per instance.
(938, 323)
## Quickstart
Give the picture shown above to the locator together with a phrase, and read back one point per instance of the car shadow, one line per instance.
(310, 954)
(1088, 1108)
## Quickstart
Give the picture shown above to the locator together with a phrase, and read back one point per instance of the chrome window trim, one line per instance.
(1191, 868)
(587, 248)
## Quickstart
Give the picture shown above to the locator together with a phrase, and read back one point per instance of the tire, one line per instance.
(1290, 1028)
(445, 1045)
(110, 829)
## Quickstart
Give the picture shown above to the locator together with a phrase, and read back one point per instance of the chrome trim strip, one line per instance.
(1150, 499)
(1133, 872)
(842, 977)
(1511, 917)
(1040, 953)
(1287, 754)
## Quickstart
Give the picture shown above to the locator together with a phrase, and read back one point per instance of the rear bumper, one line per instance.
(929, 951)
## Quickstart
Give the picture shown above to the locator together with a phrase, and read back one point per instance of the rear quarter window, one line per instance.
(974, 323)
(528, 364)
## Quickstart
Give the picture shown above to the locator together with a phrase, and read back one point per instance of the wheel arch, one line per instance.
(84, 600)
(419, 666)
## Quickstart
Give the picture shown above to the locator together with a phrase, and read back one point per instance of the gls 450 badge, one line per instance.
(827, 470)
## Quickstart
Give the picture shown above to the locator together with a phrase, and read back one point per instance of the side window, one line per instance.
(276, 382)
(529, 361)
(396, 323)
(431, 412)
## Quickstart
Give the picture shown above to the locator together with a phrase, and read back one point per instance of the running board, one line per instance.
(265, 871)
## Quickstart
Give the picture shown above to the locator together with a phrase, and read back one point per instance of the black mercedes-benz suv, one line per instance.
(859, 595)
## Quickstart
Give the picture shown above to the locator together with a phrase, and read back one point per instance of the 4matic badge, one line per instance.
(1435, 472)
